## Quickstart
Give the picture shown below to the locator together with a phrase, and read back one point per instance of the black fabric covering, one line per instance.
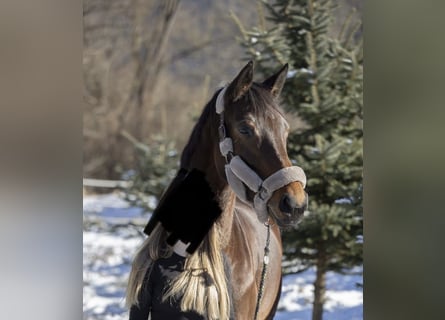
(155, 284)
(187, 209)
(156, 281)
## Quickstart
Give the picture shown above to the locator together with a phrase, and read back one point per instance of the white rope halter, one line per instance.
(239, 174)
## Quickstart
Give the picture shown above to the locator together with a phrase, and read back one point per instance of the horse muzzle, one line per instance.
(288, 207)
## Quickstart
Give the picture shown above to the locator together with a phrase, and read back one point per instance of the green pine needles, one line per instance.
(156, 166)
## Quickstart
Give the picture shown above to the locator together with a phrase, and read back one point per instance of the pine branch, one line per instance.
(312, 56)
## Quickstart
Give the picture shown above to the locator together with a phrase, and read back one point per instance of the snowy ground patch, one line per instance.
(112, 234)
(344, 298)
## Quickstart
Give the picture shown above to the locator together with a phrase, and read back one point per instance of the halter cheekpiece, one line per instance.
(239, 174)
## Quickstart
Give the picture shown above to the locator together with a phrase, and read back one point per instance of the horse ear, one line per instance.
(275, 83)
(239, 86)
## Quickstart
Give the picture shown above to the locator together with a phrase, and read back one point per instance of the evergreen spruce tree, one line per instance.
(157, 164)
(324, 88)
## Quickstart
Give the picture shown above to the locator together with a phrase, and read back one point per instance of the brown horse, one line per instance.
(239, 142)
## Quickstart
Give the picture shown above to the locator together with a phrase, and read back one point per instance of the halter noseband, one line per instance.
(239, 174)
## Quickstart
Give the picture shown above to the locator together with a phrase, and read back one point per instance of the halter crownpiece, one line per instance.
(239, 174)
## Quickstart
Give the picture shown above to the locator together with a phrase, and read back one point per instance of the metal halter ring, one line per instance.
(267, 223)
(262, 192)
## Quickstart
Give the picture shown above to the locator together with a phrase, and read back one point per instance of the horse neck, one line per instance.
(226, 199)
(202, 152)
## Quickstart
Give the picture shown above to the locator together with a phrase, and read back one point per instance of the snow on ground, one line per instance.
(344, 298)
(112, 234)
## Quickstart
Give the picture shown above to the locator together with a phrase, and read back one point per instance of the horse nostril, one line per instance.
(301, 210)
(287, 203)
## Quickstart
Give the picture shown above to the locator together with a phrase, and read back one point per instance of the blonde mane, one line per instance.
(202, 286)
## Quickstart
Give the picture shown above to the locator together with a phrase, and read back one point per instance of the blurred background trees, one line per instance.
(134, 35)
(150, 66)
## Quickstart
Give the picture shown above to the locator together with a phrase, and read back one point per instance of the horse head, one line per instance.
(253, 135)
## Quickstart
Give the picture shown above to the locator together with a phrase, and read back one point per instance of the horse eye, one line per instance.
(245, 130)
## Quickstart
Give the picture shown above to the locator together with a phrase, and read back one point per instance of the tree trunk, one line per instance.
(148, 48)
(319, 288)
(149, 43)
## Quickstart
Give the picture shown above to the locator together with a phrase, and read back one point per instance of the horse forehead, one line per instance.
(277, 119)
(274, 126)
(265, 118)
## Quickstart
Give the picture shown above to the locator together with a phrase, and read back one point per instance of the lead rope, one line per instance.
(263, 272)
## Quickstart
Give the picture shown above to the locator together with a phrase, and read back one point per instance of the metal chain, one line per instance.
(263, 272)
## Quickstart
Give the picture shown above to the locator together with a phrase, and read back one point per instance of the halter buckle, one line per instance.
(229, 156)
(222, 132)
